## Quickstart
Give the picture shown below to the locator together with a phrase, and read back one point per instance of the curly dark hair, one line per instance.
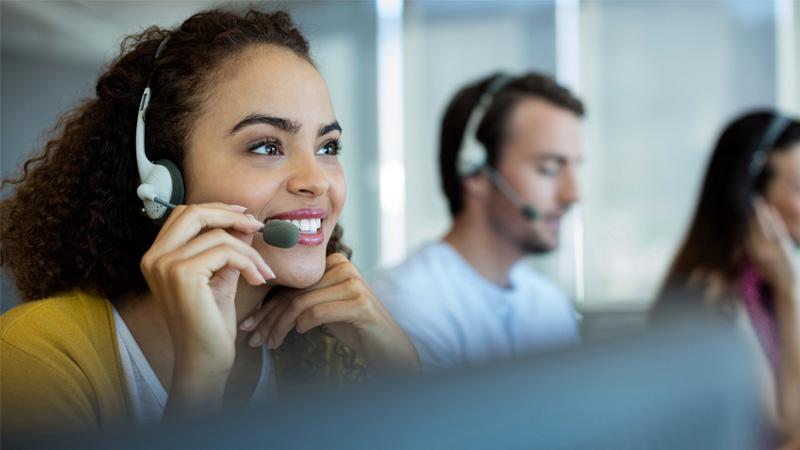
(74, 219)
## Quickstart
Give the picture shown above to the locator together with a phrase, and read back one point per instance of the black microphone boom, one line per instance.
(528, 211)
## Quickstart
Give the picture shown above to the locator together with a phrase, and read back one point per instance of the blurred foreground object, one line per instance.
(685, 384)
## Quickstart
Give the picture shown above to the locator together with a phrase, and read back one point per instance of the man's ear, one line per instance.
(477, 186)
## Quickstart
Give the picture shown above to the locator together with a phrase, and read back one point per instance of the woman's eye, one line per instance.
(332, 148)
(265, 148)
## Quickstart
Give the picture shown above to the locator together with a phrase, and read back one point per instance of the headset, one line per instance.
(777, 126)
(472, 157)
(161, 185)
(162, 188)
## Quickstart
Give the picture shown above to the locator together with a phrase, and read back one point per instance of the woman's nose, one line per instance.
(307, 177)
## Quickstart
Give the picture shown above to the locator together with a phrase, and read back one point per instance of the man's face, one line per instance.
(539, 161)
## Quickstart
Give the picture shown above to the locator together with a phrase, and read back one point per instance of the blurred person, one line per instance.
(132, 314)
(736, 258)
(509, 152)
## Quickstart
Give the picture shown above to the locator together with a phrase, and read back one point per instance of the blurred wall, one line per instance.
(661, 79)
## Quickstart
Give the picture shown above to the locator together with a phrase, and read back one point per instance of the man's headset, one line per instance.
(472, 156)
(162, 188)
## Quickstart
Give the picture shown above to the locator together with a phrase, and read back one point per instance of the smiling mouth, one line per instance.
(308, 221)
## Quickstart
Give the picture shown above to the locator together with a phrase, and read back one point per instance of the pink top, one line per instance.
(760, 307)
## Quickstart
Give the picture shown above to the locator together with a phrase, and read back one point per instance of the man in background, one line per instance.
(509, 152)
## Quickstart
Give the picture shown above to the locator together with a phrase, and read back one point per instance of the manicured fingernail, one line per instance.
(247, 324)
(254, 220)
(255, 341)
(239, 207)
(260, 280)
(266, 271)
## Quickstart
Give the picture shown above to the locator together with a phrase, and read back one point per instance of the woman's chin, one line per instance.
(299, 278)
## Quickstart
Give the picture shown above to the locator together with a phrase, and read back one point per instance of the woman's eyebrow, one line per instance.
(325, 129)
(286, 125)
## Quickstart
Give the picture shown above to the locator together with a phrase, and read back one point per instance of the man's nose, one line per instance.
(568, 190)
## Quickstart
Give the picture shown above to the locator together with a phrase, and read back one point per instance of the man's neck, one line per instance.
(490, 255)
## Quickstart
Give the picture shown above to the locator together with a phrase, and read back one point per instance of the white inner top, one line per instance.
(147, 398)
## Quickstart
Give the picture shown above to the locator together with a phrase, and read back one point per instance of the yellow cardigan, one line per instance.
(60, 367)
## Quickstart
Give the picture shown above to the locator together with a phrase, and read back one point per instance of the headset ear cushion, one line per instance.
(177, 181)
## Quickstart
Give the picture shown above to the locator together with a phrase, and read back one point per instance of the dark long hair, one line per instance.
(716, 237)
(74, 219)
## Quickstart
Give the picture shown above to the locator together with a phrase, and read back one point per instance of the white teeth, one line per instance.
(307, 225)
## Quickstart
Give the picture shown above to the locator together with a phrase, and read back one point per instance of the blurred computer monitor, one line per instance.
(685, 385)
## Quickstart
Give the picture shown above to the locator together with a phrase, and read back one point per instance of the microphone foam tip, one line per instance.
(281, 234)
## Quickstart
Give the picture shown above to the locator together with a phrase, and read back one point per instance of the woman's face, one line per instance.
(783, 191)
(267, 139)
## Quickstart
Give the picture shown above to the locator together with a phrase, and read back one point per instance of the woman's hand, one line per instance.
(343, 302)
(192, 269)
(769, 248)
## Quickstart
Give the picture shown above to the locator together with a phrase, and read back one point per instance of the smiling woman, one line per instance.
(127, 320)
